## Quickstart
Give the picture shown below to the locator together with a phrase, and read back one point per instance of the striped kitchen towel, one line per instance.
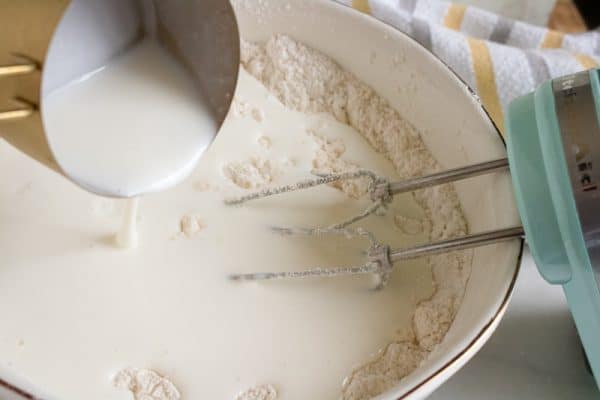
(498, 57)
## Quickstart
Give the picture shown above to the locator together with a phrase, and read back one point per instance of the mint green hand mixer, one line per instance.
(554, 158)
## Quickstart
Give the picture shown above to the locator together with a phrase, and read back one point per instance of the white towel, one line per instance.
(498, 57)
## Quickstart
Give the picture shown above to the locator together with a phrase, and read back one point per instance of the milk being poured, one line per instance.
(135, 126)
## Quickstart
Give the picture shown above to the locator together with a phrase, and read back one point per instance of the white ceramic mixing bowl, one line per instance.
(456, 130)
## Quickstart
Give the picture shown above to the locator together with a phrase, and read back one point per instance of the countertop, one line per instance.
(534, 354)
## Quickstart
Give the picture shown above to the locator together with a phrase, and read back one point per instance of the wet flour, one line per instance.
(307, 81)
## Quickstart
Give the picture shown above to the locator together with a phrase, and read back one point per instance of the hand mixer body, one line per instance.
(554, 151)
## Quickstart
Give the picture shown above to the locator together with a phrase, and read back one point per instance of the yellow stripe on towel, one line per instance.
(361, 5)
(486, 80)
(586, 61)
(552, 40)
(454, 16)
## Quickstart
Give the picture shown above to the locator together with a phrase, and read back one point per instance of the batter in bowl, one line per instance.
(89, 320)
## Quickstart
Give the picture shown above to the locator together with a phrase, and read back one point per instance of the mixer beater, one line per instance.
(380, 257)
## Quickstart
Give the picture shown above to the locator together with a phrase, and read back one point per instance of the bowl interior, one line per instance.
(456, 130)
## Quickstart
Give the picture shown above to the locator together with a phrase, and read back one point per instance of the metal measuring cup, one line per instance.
(48, 43)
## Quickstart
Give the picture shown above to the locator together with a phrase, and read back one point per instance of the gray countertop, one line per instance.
(534, 354)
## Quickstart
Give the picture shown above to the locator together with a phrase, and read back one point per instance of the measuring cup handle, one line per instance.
(22, 65)
(23, 110)
(26, 67)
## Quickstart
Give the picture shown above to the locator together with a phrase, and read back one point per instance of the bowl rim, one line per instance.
(480, 337)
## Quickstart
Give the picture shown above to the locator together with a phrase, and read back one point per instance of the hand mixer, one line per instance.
(50, 43)
(553, 143)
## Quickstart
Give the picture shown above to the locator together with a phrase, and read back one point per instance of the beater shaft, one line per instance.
(450, 175)
(461, 243)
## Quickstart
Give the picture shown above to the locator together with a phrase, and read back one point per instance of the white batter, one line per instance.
(138, 125)
(76, 310)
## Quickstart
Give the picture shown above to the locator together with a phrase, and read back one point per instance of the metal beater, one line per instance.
(380, 257)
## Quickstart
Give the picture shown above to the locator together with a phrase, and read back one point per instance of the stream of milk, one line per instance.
(127, 237)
